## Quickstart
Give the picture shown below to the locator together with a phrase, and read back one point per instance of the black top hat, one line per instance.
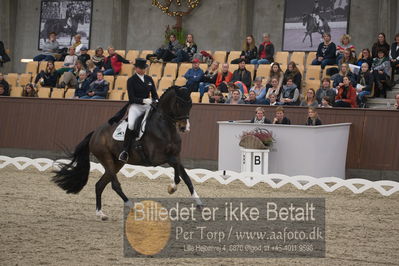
(141, 63)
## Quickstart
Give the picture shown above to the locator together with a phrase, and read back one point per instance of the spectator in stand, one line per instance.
(249, 52)
(70, 79)
(345, 44)
(313, 117)
(48, 77)
(275, 72)
(29, 91)
(223, 78)
(209, 78)
(346, 96)
(168, 51)
(396, 105)
(310, 99)
(259, 90)
(294, 73)
(325, 102)
(113, 62)
(365, 58)
(325, 91)
(98, 57)
(242, 77)
(83, 85)
(280, 117)
(394, 55)
(231, 87)
(235, 98)
(364, 85)
(275, 89)
(193, 76)
(260, 117)
(3, 92)
(251, 99)
(289, 94)
(217, 97)
(211, 90)
(265, 52)
(91, 71)
(77, 45)
(339, 77)
(49, 49)
(98, 89)
(381, 71)
(325, 52)
(83, 57)
(6, 86)
(4, 58)
(272, 100)
(380, 44)
(69, 61)
(187, 53)
(347, 58)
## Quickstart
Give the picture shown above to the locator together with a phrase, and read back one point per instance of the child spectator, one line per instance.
(242, 77)
(209, 78)
(265, 52)
(193, 76)
(29, 91)
(313, 118)
(294, 73)
(259, 90)
(49, 49)
(346, 96)
(260, 117)
(98, 89)
(249, 51)
(49, 77)
(223, 78)
(364, 84)
(113, 62)
(289, 94)
(272, 100)
(280, 117)
(380, 44)
(325, 52)
(187, 53)
(325, 91)
(310, 99)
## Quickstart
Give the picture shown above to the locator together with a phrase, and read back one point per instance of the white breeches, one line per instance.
(135, 110)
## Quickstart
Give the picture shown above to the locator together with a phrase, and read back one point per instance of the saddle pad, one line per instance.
(119, 133)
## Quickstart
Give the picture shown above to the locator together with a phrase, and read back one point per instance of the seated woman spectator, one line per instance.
(48, 77)
(113, 62)
(49, 49)
(280, 117)
(346, 96)
(223, 78)
(289, 94)
(275, 89)
(91, 71)
(272, 100)
(83, 85)
(259, 90)
(394, 54)
(217, 97)
(209, 78)
(396, 105)
(294, 73)
(339, 77)
(260, 117)
(310, 99)
(211, 90)
(3, 92)
(365, 58)
(364, 84)
(325, 91)
(242, 77)
(345, 44)
(380, 44)
(251, 99)
(231, 87)
(168, 51)
(265, 52)
(325, 102)
(70, 79)
(4, 58)
(6, 86)
(187, 53)
(381, 70)
(325, 52)
(98, 89)
(193, 76)
(313, 117)
(29, 91)
(275, 72)
(249, 51)
(69, 61)
(347, 58)
(84, 57)
(98, 57)
(235, 98)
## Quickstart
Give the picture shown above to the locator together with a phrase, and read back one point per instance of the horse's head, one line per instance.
(305, 19)
(176, 104)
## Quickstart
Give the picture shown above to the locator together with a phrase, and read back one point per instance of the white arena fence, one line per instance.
(329, 184)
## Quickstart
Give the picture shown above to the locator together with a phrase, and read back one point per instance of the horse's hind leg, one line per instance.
(100, 186)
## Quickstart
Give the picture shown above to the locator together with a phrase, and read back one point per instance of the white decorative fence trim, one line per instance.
(329, 184)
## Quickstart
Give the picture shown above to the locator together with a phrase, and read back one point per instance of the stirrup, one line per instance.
(124, 156)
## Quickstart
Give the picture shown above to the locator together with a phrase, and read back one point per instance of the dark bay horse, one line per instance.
(161, 143)
(311, 26)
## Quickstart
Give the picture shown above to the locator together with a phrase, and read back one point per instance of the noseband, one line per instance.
(184, 103)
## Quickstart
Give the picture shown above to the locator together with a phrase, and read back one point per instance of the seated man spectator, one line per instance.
(265, 52)
(193, 76)
(289, 94)
(83, 85)
(235, 98)
(325, 52)
(48, 77)
(325, 91)
(168, 51)
(259, 90)
(113, 62)
(5, 84)
(251, 99)
(209, 78)
(98, 89)
(394, 55)
(186, 54)
(84, 57)
(280, 117)
(4, 58)
(69, 61)
(346, 96)
(49, 49)
(242, 77)
(260, 117)
(3, 91)
(223, 78)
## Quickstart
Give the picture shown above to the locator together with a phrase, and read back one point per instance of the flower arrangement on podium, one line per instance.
(257, 139)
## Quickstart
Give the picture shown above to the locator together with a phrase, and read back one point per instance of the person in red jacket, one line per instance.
(223, 78)
(113, 62)
(346, 96)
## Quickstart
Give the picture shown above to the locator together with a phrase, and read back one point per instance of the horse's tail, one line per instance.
(72, 177)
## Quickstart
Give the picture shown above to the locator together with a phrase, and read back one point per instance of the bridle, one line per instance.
(173, 119)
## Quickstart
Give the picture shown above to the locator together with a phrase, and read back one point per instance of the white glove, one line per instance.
(147, 101)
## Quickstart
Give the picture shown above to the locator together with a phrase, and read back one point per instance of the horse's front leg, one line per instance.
(190, 186)
(175, 164)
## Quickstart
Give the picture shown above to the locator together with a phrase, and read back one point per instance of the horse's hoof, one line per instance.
(104, 218)
(200, 207)
(172, 188)
(101, 215)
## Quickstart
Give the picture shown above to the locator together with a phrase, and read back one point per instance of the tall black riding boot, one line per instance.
(130, 135)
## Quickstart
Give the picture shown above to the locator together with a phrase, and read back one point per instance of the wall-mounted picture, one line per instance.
(305, 21)
(66, 18)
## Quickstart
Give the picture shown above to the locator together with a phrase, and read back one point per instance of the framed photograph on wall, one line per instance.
(66, 18)
(306, 20)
